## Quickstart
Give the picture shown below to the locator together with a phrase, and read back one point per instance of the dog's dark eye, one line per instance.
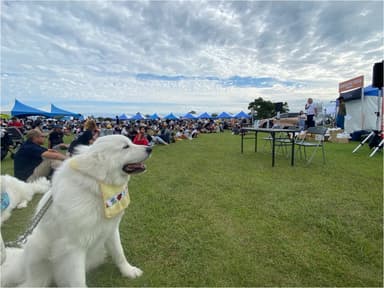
(126, 146)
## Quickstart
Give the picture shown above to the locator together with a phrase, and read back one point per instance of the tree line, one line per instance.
(266, 109)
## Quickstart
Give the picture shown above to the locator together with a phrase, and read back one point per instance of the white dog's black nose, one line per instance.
(148, 150)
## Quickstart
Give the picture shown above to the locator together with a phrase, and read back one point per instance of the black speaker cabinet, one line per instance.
(377, 75)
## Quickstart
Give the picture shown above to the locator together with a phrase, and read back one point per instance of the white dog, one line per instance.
(20, 192)
(17, 194)
(89, 194)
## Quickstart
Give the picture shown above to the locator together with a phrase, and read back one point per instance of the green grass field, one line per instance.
(206, 215)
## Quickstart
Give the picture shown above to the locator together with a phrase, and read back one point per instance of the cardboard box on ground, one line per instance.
(338, 136)
(334, 135)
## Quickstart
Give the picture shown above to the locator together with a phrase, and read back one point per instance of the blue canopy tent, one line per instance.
(56, 111)
(224, 115)
(137, 116)
(171, 116)
(154, 116)
(21, 110)
(189, 116)
(205, 115)
(123, 117)
(371, 91)
(241, 114)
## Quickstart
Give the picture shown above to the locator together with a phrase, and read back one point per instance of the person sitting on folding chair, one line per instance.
(16, 123)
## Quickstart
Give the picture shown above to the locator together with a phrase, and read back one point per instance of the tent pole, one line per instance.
(381, 132)
(362, 108)
(381, 112)
(378, 112)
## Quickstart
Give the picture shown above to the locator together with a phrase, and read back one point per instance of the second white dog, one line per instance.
(20, 192)
(89, 193)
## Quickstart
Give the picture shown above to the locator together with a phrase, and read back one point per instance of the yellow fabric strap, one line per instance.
(73, 164)
(115, 198)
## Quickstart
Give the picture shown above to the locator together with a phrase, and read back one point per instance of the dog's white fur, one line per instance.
(74, 234)
(2, 250)
(20, 192)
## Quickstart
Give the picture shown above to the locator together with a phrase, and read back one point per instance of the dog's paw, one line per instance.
(131, 272)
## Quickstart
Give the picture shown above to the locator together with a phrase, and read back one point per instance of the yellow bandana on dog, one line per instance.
(115, 198)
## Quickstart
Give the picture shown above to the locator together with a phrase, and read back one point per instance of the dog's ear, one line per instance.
(90, 164)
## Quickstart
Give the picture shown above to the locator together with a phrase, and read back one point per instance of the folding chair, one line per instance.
(282, 140)
(15, 134)
(316, 141)
(17, 138)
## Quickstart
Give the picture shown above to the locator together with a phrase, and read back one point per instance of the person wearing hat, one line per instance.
(33, 160)
(56, 138)
(341, 113)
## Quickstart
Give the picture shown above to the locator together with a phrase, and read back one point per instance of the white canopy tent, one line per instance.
(363, 109)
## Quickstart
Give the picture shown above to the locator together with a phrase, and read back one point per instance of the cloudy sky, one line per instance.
(114, 57)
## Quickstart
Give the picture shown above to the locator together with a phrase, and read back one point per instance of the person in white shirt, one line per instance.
(311, 111)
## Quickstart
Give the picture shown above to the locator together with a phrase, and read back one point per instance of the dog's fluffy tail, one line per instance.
(40, 185)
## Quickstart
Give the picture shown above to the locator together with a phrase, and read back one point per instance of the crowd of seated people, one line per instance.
(34, 160)
(143, 132)
(162, 131)
(157, 131)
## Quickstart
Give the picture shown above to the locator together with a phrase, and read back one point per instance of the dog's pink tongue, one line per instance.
(134, 168)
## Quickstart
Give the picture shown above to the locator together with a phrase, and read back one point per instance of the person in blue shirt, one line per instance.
(33, 160)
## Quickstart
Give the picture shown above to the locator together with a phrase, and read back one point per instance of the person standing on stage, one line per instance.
(311, 111)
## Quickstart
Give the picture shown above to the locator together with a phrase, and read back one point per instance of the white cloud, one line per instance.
(84, 53)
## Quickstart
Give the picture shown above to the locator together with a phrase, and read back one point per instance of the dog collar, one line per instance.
(115, 197)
